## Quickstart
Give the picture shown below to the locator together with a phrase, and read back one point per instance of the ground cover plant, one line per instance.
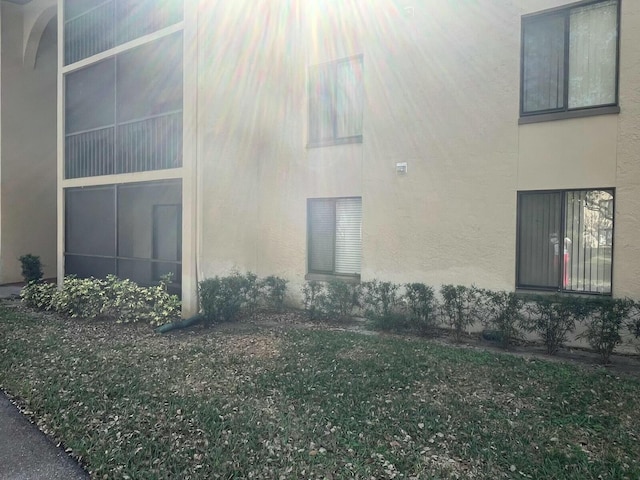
(298, 400)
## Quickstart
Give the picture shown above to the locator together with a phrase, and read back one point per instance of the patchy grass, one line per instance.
(284, 402)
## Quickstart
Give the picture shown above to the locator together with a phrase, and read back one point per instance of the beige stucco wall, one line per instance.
(442, 86)
(442, 94)
(28, 155)
(425, 226)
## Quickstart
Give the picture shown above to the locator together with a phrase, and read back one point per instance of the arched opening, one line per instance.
(45, 24)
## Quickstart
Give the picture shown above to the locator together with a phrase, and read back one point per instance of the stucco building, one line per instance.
(492, 142)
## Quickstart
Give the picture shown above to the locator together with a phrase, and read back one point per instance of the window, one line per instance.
(565, 240)
(334, 235)
(335, 102)
(570, 59)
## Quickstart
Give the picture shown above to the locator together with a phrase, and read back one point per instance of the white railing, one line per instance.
(153, 143)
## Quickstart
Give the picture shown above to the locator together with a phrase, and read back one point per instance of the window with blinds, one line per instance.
(565, 240)
(335, 235)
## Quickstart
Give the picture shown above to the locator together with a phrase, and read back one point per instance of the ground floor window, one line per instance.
(334, 235)
(565, 240)
(133, 231)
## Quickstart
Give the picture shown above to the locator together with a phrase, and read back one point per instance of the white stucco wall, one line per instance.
(28, 155)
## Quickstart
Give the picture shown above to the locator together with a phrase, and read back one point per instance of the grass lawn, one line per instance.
(259, 401)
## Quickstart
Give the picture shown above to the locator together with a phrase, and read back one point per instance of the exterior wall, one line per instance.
(28, 186)
(424, 226)
(442, 86)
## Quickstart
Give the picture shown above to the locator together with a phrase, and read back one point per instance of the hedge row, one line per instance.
(508, 315)
(223, 299)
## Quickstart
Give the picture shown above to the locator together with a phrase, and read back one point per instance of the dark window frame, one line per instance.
(565, 112)
(335, 140)
(327, 275)
(560, 289)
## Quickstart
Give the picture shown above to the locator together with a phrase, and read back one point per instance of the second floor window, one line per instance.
(570, 58)
(335, 102)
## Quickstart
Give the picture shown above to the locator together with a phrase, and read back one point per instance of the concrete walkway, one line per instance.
(25, 452)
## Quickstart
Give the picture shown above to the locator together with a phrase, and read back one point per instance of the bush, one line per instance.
(112, 298)
(31, 268)
(313, 293)
(381, 304)
(38, 295)
(340, 299)
(128, 302)
(460, 307)
(275, 289)
(634, 321)
(504, 313)
(80, 297)
(251, 289)
(606, 317)
(553, 317)
(421, 302)
(222, 299)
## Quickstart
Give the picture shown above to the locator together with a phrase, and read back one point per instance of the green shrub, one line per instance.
(251, 289)
(275, 289)
(313, 293)
(606, 318)
(31, 268)
(552, 317)
(80, 297)
(340, 299)
(223, 298)
(128, 302)
(423, 307)
(503, 311)
(120, 300)
(460, 307)
(633, 323)
(38, 295)
(381, 304)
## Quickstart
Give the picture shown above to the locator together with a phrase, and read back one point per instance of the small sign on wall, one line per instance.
(401, 168)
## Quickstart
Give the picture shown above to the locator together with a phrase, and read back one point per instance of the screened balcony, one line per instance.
(133, 231)
(124, 114)
(92, 26)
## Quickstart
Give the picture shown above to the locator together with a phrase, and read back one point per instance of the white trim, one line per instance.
(190, 160)
(176, 27)
(137, 177)
(60, 149)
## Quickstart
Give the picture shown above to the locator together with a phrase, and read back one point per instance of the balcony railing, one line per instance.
(90, 154)
(153, 143)
(114, 22)
(90, 33)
